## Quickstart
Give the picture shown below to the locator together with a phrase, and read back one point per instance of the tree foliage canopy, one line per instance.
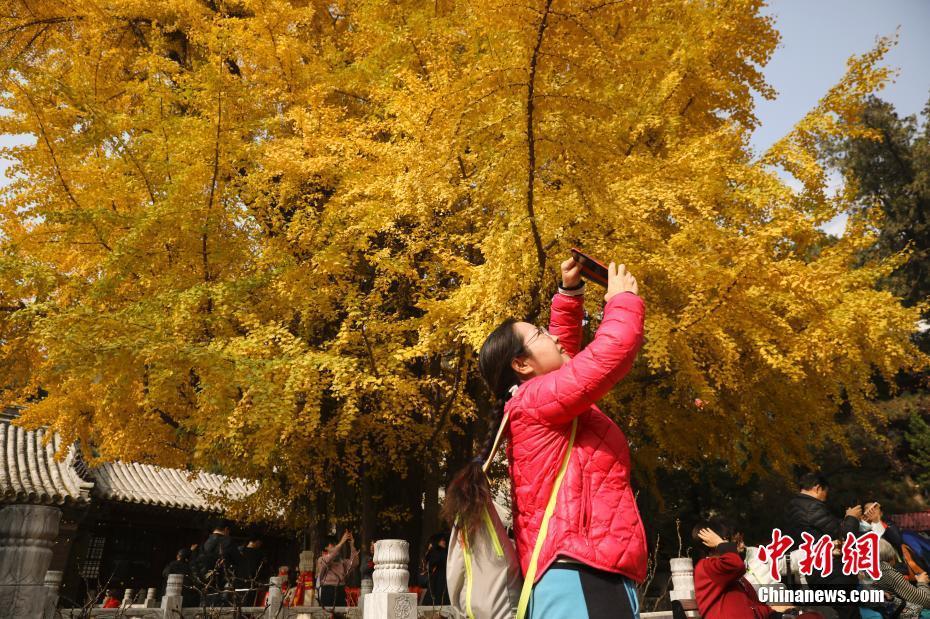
(267, 237)
(892, 174)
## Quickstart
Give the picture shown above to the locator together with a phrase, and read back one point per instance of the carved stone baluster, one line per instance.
(174, 591)
(390, 598)
(27, 533)
(52, 587)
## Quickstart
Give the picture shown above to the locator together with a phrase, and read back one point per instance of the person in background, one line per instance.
(217, 563)
(252, 562)
(367, 562)
(873, 519)
(182, 565)
(917, 597)
(252, 572)
(436, 554)
(721, 589)
(332, 570)
(807, 512)
(110, 600)
(221, 545)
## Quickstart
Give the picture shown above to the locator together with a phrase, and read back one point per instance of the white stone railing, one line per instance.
(387, 597)
(295, 612)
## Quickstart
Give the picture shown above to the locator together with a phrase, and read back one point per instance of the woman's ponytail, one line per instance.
(469, 492)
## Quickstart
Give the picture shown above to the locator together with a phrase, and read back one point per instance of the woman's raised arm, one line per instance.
(561, 395)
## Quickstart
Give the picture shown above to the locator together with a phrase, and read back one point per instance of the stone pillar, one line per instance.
(275, 596)
(52, 587)
(150, 601)
(128, 597)
(307, 564)
(390, 598)
(682, 580)
(173, 600)
(794, 568)
(27, 533)
(367, 587)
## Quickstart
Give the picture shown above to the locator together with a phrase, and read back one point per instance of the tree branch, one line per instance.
(371, 353)
(210, 200)
(48, 144)
(531, 154)
(48, 21)
(447, 406)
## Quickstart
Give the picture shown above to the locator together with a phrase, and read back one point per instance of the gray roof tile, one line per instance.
(30, 473)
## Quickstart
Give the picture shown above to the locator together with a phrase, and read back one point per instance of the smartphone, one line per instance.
(591, 269)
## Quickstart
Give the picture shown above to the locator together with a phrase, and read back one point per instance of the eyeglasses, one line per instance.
(539, 331)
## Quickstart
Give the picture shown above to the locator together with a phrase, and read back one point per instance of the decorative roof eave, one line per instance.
(146, 484)
(30, 472)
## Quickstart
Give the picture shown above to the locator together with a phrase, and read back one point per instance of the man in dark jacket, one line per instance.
(436, 555)
(807, 512)
(216, 565)
(252, 572)
(181, 565)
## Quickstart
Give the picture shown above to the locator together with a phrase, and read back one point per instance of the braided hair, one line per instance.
(469, 491)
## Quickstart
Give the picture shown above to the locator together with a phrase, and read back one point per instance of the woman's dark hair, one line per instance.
(469, 492)
(719, 526)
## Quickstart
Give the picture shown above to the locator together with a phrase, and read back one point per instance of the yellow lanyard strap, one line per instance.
(544, 528)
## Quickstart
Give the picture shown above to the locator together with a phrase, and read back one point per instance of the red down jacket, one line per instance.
(596, 520)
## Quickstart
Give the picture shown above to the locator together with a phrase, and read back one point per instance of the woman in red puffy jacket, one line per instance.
(595, 548)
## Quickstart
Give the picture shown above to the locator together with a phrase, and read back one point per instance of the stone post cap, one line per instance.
(53, 578)
(307, 561)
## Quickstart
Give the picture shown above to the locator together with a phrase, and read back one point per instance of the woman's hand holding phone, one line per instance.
(571, 274)
(619, 280)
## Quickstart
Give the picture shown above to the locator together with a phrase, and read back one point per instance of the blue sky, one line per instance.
(818, 36)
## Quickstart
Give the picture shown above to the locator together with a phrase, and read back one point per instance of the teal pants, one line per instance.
(574, 591)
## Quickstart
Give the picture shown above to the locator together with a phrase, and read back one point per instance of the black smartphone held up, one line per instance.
(591, 269)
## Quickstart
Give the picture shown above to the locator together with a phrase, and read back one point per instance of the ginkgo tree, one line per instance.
(268, 237)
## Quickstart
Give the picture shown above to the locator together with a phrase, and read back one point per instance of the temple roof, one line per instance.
(131, 482)
(30, 473)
